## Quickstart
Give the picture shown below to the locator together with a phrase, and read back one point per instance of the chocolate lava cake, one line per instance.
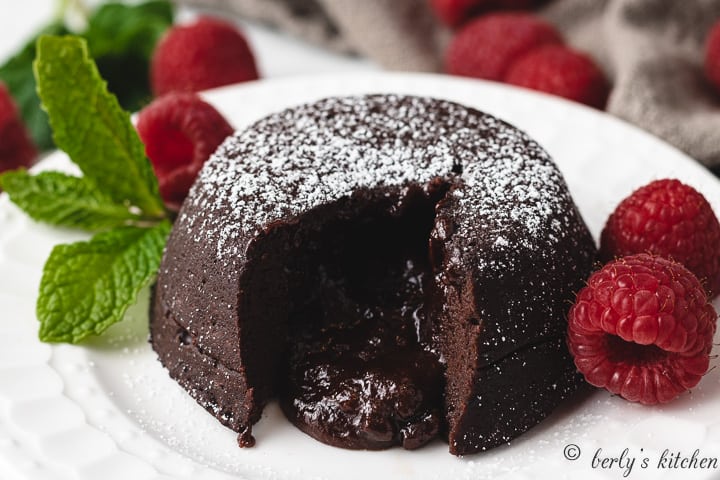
(390, 268)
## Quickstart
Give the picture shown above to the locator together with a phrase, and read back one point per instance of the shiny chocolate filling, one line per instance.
(363, 368)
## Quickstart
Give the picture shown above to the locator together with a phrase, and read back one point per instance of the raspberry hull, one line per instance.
(642, 328)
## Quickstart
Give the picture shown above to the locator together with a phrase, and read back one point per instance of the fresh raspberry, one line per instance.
(561, 71)
(712, 56)
(488, 46)
(456, 12)
(180, 132)
(642, 328)
(16, 148)
(670, 219)
(206, 54)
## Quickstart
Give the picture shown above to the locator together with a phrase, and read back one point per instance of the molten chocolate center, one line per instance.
(363, 368)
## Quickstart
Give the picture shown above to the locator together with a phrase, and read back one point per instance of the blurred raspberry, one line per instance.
(455, 12)
(561, 71)
(488, 46)
(180, 132)
(206, 54)
(16, 147)
(712, 56)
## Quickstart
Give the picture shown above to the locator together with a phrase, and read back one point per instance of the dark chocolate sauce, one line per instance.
(363, 372)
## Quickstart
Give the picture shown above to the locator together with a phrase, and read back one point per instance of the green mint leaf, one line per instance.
(61, 199)
(91, 127)
(88, 286)
(17, 74)
(118, 29)
(121, 39)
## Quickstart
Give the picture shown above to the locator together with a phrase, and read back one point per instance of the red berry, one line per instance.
(712, 55)
(561, 71)
(16, 147)
(642, 328)
(180, 132)
(488, 46)
(206, 54)
(670, 219)
(518, 4)
(456, 12)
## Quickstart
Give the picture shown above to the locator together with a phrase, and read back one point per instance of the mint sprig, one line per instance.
(121, 39)
(61, 199)
(17, 74)
(88, 286)
(89, 124)
(121, 30)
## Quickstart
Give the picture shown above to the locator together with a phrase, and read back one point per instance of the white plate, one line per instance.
(109, 410)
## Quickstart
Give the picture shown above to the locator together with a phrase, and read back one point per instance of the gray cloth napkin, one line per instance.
(652, 50)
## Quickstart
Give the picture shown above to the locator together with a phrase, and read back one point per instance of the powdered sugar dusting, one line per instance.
(314, 154)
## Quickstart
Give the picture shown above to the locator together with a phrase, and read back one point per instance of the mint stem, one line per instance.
(65, 7)
(60, 10)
